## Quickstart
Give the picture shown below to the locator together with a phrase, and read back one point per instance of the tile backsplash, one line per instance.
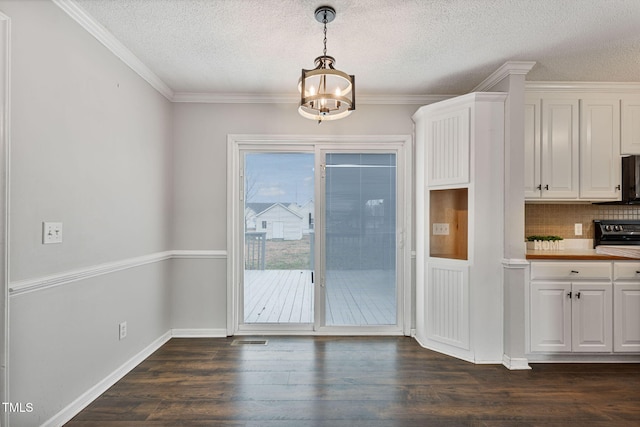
(559, 219)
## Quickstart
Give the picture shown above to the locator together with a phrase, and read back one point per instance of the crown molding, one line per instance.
(582, 87)
(257, 98)
(234, 98)
(507, 69)
(114, 45)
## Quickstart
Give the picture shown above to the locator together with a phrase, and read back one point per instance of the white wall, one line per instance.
(91, 147)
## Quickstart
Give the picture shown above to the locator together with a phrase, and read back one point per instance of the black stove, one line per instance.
(616, 232)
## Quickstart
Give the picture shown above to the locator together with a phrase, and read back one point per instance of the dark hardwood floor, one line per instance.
(363, 381)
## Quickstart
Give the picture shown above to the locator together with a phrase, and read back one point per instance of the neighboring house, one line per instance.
(308, 215)
(278, 221)
(250, 212)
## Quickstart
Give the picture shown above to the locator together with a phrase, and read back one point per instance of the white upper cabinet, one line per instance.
(559, 149)
(600, 149)
(551, 148)
(630, 125)
(572, 147)
(532, 180)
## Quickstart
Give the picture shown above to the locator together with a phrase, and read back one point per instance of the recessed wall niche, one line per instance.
(448, 232)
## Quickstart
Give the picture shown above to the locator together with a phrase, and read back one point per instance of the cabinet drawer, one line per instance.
(570, 270)
(626, 271)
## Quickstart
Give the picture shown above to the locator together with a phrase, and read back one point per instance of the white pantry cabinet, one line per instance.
(459, 224)
(572, 147)
(626, 307)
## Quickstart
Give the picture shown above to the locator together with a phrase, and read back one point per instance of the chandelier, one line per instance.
(326, 93)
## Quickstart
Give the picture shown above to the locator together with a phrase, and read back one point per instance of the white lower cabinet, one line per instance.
(591, 317)
(626, 307)
(571, 317)
(571, 307)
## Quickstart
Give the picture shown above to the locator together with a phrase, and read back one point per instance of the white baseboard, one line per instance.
(464, 355)
(94, 392)
(515, 363)
(198, 333)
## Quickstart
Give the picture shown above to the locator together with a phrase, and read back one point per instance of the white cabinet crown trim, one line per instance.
(583, 87)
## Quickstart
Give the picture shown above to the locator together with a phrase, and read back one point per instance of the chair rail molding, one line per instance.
(58, 279)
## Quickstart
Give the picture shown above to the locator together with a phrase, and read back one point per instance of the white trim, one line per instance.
(30, 285)
(236, 143)
(582, 87)
(198, 333)
(261, 98)
(198, 254)
(583, 358)
(233, 98)
(516, 363)
(94, 392)
(463, 355)
(463, 100)
(508, 68)
(5, 173)
(515, 263)
(105, 37)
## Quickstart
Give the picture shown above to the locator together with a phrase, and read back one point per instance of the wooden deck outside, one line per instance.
(354, 297)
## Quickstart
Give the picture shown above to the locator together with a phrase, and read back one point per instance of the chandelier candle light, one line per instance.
(326, 93)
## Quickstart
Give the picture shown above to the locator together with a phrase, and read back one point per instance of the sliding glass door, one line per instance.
(360, 239)
(319, 232)
(278, 238)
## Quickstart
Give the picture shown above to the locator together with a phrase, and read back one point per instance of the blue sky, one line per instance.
(279, 177)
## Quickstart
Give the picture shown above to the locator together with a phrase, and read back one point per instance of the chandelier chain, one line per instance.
(324, 21)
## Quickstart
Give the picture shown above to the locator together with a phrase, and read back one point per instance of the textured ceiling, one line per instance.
(394, 47)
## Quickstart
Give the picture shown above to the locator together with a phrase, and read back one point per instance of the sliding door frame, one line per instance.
(401, 145)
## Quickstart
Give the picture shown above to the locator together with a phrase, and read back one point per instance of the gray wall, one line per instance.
(129, 174)
(91, 147)
(200, 183)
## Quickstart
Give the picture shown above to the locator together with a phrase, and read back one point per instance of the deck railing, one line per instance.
(255, 250)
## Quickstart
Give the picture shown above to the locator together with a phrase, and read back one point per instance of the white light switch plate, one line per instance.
(440, 229)
(578, 229)
(51, 232)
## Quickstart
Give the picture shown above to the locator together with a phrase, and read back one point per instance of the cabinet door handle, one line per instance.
(574, 272)
(618, 187)
(637, 272)
(539, 187)
(546, 187)
(569, 294)
(578, 295)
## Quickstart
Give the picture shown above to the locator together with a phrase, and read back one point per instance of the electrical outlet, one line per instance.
(440, 229)
(122, 330)
(51, 232)
(578, 229)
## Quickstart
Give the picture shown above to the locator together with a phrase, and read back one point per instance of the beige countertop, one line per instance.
(576, 254)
